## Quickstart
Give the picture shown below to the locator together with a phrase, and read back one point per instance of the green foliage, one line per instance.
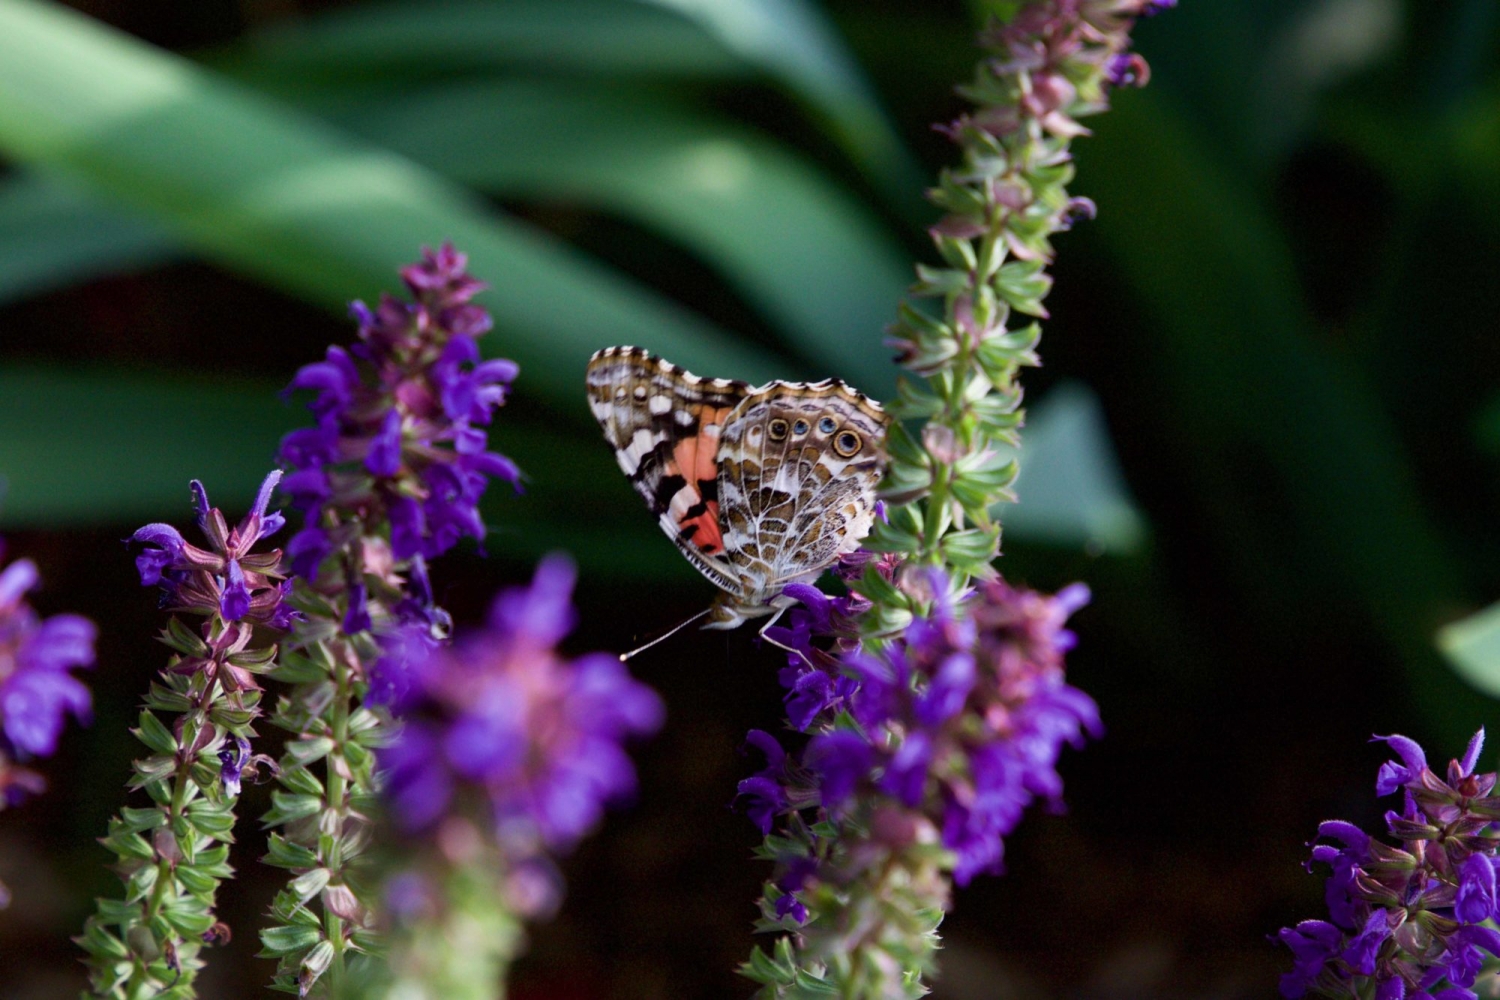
(236, 160)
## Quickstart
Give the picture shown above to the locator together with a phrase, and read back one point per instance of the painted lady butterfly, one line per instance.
(758, 487)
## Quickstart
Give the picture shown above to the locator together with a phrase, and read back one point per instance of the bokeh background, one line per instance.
(1267, 432)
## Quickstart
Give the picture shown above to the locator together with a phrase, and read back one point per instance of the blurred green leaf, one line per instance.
(792, 41)
(1236, 347)
(91, 447)
(803, 251)
(290, 200)
(787, 41)
(1070, 489)
(53, 235)
(815, 262)
(430, 38)
(1472, 645)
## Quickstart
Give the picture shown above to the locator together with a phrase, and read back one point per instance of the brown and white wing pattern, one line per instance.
(798, 467)
(664, 424)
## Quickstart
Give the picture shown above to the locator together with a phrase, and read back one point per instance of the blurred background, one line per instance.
(1267, 432)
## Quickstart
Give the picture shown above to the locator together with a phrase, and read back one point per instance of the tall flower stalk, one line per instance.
(389, 476)
(934, 694)
(508, 756)
(36, 689)
(1414, 919)
(197, 725)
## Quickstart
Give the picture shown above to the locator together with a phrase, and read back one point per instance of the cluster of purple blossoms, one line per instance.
(954, 727)
(400, 423)
(539, 737)
(36, 690)
(226, 579)
(1407, 922)
(1051, 45)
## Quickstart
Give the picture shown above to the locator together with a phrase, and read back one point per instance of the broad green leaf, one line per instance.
(428, 38)
(802, 250)
(814, 260)
(792, 41)
(1236, 353)
(1070, 489)
(90, 447)
(295, 202)
(1472, 645)
(53, 235)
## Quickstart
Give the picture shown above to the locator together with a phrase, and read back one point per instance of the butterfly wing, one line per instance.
(664, 425)
(799, 465)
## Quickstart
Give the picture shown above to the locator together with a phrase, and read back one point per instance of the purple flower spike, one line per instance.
(401, 419)
(501, 715)
(1413, 915)
(36, 688)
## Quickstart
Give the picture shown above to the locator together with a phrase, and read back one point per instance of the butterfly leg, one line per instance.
(780, 645)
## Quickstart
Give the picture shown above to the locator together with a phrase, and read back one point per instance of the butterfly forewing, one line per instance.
(664, 425)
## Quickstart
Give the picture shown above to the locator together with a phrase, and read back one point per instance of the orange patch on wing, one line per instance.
(707, 537)
(697, 456)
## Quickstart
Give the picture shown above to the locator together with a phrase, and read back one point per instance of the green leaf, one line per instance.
(1472, 646)
(307, 750)
(279, 941)
(286, 807)
(78, 438)
(155, 735)
(386, 40)
(284, 853)
(792, 41)
(1070, 488)
(810, 256)
(309, 884)
(290, 200)
(53, 234)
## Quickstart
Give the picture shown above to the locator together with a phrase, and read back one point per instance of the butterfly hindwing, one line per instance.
(664, 425)
(799, 465)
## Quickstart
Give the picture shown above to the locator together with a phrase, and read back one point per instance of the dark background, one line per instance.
(1285, 310)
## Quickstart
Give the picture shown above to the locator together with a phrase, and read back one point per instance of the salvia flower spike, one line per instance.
(37, 692)
(508, 757)
(389, 476)
(172, 850)
(933, 694)
(1413, 918)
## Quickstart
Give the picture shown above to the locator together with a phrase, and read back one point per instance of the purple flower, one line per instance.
(959, 721)
(36, 689)
(400, 422)
(539, 738)
(1407, 919)
(232, 760)
(229, 578)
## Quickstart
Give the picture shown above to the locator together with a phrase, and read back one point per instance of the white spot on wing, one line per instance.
(660, 405)
(640, 445)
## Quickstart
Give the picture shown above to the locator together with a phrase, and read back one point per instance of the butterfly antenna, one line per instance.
(781, 645)
(665, 635)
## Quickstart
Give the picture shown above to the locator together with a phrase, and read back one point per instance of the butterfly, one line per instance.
(758, 487)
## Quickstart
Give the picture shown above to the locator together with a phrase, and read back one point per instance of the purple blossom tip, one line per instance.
(1392, 775)
(234, 602)
(1471, 753)
(200, 502)
(232, 760)
(16, 581)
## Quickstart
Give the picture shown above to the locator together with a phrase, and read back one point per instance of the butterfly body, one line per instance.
(759, 487)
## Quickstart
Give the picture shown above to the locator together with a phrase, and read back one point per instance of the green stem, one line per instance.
(333, 924)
